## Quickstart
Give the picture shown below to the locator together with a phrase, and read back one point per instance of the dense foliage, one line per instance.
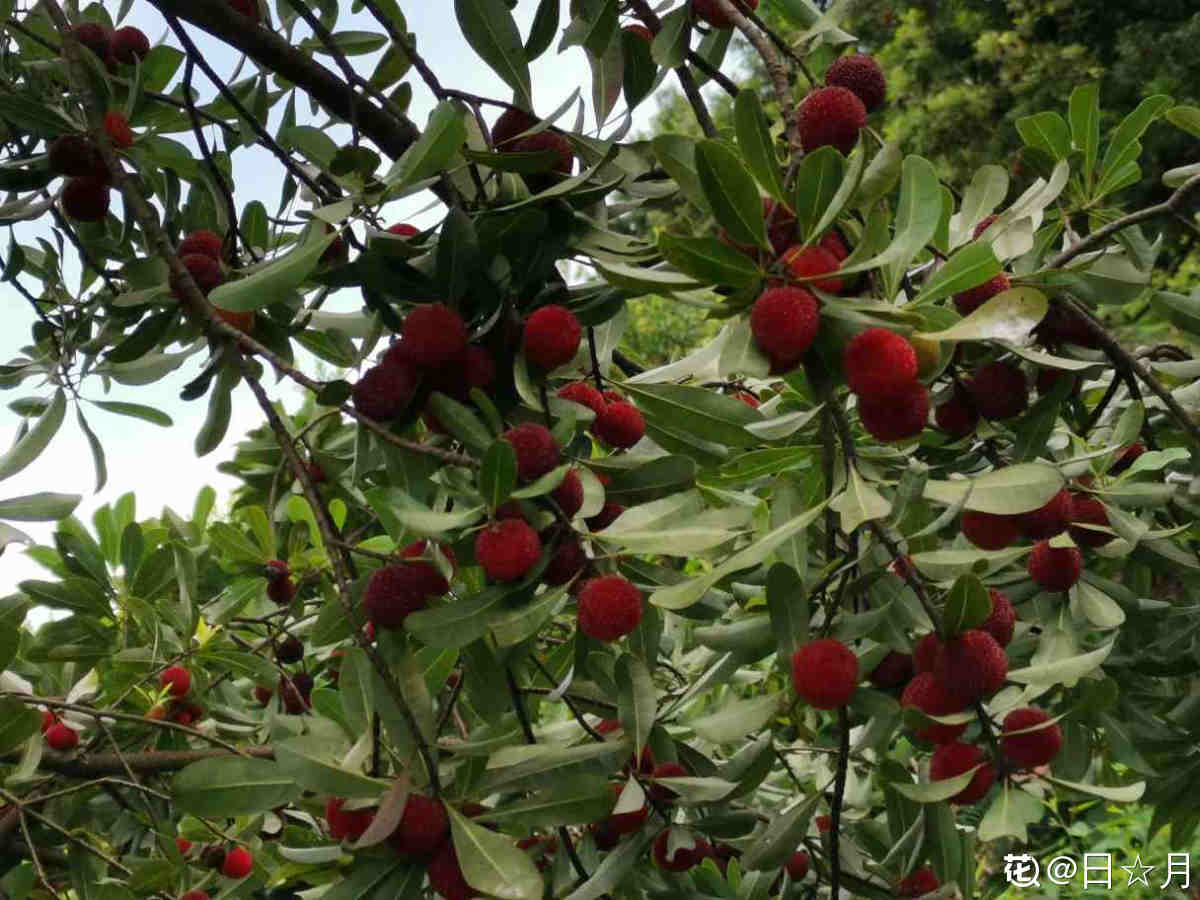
(891, 577)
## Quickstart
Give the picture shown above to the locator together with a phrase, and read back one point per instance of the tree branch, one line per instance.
(691, 90)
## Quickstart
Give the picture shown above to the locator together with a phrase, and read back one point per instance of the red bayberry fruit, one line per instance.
(1055, 568)
(183, 846)
(177, 679)
(610, 607)
(394, 592)
(1048, 520)
(542, 141)
(957, 416)
(85, 199)
(1127, 459)
(507, 550)
(404, 230)
(608, 514)
(423, 827)
(193, 895)
(551, 338)
(918, 884)
(861, 74)
(831, 116)
(1086, 510)
(928, 695)
(619, 824)
(568, 560)
(893, 671)
(926, 653)
(248, 8)
(118, 129)
(569, 494)
(972, 666)
(785, 322)
(825, 673)
(290, 651)
(879, 362)
(130, 44)
(970, 300)
(206, 243)
(640, 31)
(76, 156)
(48, 719)
(898, 416)
(536, 451)
(660, 793)
(511, 123)
(683, 859)
(346, 823)
(239, 863)
(833, 242)
(806, 262)
(989, 531)
(999, 391)
(585, 395)
(446, 875)
(797, 865)
(242, 321)
(295, 692)
(749, 399)
(620, 425)
(711, 12)
(384, 392)
(205, 271)
(434, 335)
(1002, 619)
(436, 581)
(95, 37)
(62, 737)
(263, 694)
(952, 760)
(1030, 748)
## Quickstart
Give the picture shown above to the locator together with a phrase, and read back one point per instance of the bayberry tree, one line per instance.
(896, 568)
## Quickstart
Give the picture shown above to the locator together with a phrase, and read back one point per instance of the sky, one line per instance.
(159, 464)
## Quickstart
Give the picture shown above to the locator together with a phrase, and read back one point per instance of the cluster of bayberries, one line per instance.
(882, 368)
(941, 678)
(235, 863)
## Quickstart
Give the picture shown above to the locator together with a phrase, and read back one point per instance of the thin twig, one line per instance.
(839, 795)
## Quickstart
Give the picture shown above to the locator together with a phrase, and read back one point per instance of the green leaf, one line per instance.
(1123, 146)
(274, 281)
(302, 760)
(1084, 113)
(860, 502)
(492, 863)
(637, 701)
(670, 45)
(444, 134)
(1010, 815)
(137, 411)
(917, 217)
(97, 449)
(880, 177)
(40, 507)
(1008, 316)
(934, 791)
(458, 623)
(233, 786)
(640, 71)
(677, 154)
(617, 864)
(971, 266)
(737, 718)
(787, 602)
(709, 260)
(1004, 492)
(513, 626)
(460, 421)
(543, 29)
(20, 722)
(754, 139)
(489, 28)
(1128, 793)
(30, 446)
(778, 841)
(498, 474)
(714, 417)
(817, 182)
(731, 192)
(608, 78)
(850, 183)
(220, 408)
(1046, 131)
(573, 804)
(458, 255)
(1067, 670)
(968, 605)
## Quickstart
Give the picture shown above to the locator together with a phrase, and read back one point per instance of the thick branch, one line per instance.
(272, 52)
(1171, 205)
(96, 765)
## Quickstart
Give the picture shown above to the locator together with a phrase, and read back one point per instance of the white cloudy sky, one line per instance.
(159, 464)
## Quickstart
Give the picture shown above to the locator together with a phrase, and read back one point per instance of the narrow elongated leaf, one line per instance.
(1122, 146)
(917, 217)
(137, 411)
(30, 446)
(967, 606)
(41, 507)
(969, 267)
(489, 28)
(817, 181)
(636, 699)
(754, 139)
(492, 863)
(779, 839)
(543, 29)
(498, 474)
(444, 134)
(731, 192)
(1008, 316)
(709, 260)
(1084, 113)
(275, 280)
(233, 786)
